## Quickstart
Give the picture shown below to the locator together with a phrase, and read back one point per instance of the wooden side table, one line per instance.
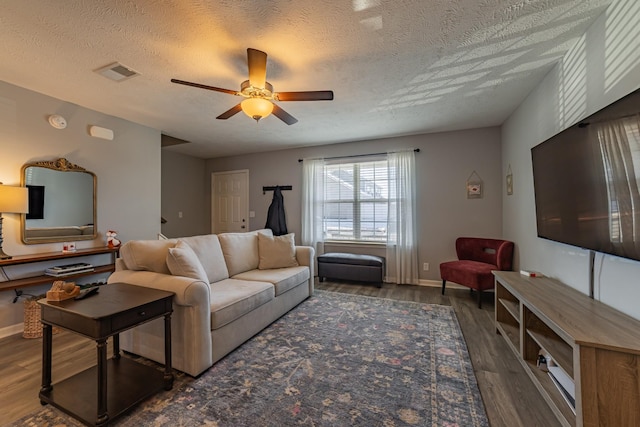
(99, 394)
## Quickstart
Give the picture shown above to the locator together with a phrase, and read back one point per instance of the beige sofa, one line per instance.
(228, 287)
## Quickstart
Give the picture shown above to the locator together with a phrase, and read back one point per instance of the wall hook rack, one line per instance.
(271, 188)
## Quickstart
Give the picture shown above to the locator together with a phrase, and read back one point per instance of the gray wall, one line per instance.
(184, 191)
(128, 171)
(444, 163)
(603, 67)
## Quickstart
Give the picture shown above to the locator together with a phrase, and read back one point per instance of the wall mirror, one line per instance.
(62, 202)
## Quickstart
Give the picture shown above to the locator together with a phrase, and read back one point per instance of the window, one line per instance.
(372, 200)
(356, 201)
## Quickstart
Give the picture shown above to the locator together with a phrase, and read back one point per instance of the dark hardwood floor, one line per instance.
(509, 396)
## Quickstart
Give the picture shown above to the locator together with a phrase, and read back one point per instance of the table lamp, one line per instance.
(12, 200)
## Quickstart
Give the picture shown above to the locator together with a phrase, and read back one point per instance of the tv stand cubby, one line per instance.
(595, 345)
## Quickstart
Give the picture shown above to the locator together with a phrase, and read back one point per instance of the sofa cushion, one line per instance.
(183, 261)
(283, 279)
(208, 250)
(240, 251)
(147, 255)
(351, 259)
(232, 298)
(276, 251)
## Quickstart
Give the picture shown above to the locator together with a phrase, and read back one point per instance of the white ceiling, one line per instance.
(397, 67)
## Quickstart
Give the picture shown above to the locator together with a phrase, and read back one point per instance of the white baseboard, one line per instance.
(431, 283)
(438, 284)
(428, 282)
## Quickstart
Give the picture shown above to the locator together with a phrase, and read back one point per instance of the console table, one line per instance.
(597, 346)
(51, 256)
(99, 394)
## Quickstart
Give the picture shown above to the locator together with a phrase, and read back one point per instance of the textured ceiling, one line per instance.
(397, 67)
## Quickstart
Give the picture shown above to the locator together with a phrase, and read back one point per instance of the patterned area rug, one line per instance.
(335, 360)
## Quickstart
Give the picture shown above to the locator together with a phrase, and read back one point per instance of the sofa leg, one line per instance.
(443, 283)
(479, 298)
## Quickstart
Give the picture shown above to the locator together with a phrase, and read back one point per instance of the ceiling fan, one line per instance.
(259, 94)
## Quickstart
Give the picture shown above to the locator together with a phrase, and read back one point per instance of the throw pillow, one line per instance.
(240, 251)
(146, 255)
(207, 249)
(276, 251)
(183, 261)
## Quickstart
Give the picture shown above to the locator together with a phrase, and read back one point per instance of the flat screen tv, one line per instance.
(36, 201)
(586, 181)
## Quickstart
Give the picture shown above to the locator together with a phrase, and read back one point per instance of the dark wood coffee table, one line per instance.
(99, 394)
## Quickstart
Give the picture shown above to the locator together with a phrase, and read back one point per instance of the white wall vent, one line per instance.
(117, 72)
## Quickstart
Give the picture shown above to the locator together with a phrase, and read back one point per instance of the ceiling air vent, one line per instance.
(117, 72)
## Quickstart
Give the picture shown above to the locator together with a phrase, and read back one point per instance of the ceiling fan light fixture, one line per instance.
(257, 108)
(259, 94)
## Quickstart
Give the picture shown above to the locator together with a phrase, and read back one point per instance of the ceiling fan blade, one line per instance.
(283, 115)
(230, 112)
(318, 95)
(257, 61)
(198, 85)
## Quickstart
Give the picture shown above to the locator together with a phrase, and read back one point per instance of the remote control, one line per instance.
(87, 292)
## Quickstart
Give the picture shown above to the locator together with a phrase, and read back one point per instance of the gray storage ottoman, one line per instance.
(342, 266)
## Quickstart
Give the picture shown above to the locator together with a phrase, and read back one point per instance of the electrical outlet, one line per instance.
(180, 214)
(425, 266)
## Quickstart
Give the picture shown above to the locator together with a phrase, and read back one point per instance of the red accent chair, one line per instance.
(477, 257)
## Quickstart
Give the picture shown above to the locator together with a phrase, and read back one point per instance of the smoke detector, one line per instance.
(117, 72)
(57, 121)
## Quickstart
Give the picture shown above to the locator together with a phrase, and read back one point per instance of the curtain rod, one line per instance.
(416, 150)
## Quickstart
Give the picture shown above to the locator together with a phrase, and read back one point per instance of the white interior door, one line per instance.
(230, 201)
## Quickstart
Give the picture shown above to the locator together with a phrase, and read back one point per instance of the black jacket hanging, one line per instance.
(276, 220)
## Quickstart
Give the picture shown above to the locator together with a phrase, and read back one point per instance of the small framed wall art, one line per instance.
(474, 186)
(509, 181)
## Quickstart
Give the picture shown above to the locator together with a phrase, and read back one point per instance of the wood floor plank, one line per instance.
(509, 396)
(21, 369)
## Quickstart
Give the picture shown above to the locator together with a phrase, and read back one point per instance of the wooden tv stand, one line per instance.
(596, 345)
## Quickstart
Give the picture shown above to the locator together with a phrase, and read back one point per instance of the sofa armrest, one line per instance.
(304, 256)
(190, 322)
(188, 292)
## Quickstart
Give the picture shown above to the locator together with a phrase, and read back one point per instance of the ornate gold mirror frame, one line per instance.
(62, 202)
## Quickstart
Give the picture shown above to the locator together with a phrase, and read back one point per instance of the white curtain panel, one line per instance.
(402, 249)
(313, 204)
(620, 151)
